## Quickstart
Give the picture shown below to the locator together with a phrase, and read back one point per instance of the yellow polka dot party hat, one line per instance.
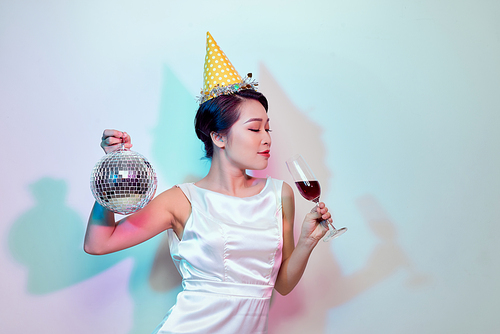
(219, 75)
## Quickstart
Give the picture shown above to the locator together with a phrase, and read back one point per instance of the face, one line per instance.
(249, 141)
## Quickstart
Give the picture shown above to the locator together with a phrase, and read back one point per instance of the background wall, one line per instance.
(395, 104)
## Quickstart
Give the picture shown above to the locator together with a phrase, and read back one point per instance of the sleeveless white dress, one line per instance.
(229, 258)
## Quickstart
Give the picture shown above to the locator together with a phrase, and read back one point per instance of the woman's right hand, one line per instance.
(112, 140)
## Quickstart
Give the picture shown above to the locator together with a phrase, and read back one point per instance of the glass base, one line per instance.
(333, 233)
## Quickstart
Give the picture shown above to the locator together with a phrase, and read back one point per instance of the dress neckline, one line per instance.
(218, 193)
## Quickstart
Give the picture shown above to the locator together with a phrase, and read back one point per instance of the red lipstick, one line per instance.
(265, 153)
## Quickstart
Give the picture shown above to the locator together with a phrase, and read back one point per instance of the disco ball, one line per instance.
(123, 181)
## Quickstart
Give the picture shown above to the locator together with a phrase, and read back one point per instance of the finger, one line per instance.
(112, 148)
(110, 141)
(111, 133)
(126, 138)
(323, 212)
(122, 136)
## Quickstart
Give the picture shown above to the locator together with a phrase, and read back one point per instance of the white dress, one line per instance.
(229, 258)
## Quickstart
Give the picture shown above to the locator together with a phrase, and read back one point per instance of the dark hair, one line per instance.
(220, 113)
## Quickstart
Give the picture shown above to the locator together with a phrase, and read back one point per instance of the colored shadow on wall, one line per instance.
(47, 239)
(177, 155)
(323, 286)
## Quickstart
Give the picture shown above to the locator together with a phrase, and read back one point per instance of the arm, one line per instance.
(168, 210)
(295, 259)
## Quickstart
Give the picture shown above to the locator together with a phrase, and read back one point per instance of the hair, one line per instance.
(219, 115)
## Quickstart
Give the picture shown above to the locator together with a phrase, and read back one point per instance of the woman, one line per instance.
(230, 234)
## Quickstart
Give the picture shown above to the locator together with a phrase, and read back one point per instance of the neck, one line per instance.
(226, 178)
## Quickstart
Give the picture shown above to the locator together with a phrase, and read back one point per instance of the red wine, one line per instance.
(310, 190)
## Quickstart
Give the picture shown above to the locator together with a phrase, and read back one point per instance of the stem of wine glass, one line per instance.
(326, 224)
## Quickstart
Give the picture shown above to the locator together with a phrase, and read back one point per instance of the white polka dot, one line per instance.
(219, 66)
(228, 80)
(222, 71)
(211, 65)
(225, 75)
(216, 61)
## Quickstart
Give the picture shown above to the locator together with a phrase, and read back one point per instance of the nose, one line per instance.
(267, 139)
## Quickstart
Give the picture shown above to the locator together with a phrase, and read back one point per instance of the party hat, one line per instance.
(219, 76)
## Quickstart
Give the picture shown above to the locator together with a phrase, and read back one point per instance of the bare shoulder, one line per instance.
(175, 201)
(287, 191)
(172, 194)
(288, 210)
(288, 202)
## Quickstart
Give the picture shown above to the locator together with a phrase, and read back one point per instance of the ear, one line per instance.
(218, 139)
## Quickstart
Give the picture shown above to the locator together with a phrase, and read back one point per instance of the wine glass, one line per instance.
(309, 188)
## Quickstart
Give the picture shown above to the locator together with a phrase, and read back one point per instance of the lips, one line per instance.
(265, 153)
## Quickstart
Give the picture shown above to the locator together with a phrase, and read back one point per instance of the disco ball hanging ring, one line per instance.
(123, 181)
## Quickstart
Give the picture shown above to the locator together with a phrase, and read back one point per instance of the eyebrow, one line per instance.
(255, 120)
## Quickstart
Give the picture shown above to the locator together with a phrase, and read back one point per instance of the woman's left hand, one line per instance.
(312, 230)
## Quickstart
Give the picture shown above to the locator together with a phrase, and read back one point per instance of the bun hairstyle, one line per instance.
(220, 113)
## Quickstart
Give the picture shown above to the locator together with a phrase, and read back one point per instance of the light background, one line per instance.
(394, 103)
